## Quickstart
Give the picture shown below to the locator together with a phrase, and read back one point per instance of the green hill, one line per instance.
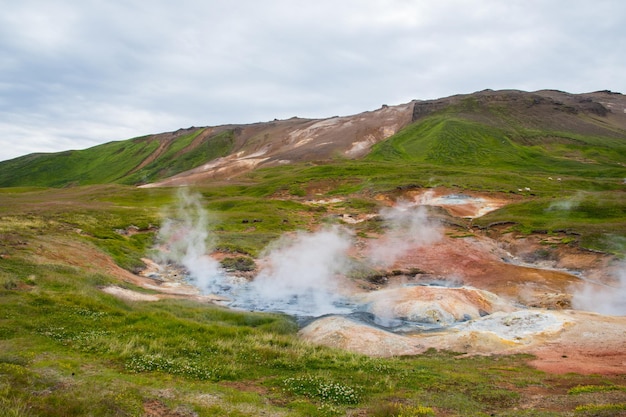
(508, 132)
(132, 161)
(488, 136)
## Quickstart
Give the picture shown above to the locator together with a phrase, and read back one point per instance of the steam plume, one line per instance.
(302, 271)
(184, 239)
(568, 204)
(608, 299)
(408, 228)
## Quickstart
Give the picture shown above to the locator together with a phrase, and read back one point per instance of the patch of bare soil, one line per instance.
(298, 140)
(167, 281)
(480, 259)
(467, 205)
(435, 305)
(592, 344)
(343, 333)
(130, 295)
(65, 251)
(156, 408)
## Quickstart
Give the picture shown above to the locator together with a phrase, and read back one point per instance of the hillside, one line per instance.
(549, 131)
(511, 129)
(214, 152)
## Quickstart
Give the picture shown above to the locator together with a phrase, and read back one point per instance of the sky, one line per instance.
(75, 74)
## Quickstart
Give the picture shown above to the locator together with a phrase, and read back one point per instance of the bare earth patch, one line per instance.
(130, 295)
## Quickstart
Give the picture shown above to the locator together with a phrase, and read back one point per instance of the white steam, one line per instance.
(607, 299)
(568, 204)
(408, 228)
(303, 272)
(184, 239)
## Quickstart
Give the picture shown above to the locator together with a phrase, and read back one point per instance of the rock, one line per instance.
(343, 333)
(435, 305)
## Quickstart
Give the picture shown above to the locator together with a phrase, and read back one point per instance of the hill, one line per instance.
(511, 129)
(207, 152)
(547, 131)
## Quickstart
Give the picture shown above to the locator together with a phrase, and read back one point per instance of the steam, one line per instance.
(408, 228)
(184, 239)
(606, 299)
(571, 203)
(303, 272)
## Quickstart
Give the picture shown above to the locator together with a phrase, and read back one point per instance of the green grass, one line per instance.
(114, 162)
(176, 160)
(600, 410)
(97, 165)
(596, 220)
(453, 141)
(584, 389)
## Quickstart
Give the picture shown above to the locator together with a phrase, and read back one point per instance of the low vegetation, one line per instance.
(124, 162)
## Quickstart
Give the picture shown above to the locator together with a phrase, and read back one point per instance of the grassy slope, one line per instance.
(452, 141)
(113, 162)
(66, 346)
(177, 159)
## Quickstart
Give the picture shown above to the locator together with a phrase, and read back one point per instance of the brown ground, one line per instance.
(595, 345)
(297, 140)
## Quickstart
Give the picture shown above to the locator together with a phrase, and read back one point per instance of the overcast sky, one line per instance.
(77, 73)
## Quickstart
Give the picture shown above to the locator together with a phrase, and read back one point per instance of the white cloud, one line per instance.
(88, 72)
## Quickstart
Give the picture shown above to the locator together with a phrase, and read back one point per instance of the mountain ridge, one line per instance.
(566, 122)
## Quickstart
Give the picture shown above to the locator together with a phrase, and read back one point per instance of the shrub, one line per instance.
(401, 410)
(322, 390)
(240, 263)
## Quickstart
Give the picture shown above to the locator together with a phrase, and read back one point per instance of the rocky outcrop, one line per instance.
(433, 305)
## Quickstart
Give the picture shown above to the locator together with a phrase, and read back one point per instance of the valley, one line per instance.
(454, 257)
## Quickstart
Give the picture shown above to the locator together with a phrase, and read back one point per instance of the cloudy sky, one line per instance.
(74, 74)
